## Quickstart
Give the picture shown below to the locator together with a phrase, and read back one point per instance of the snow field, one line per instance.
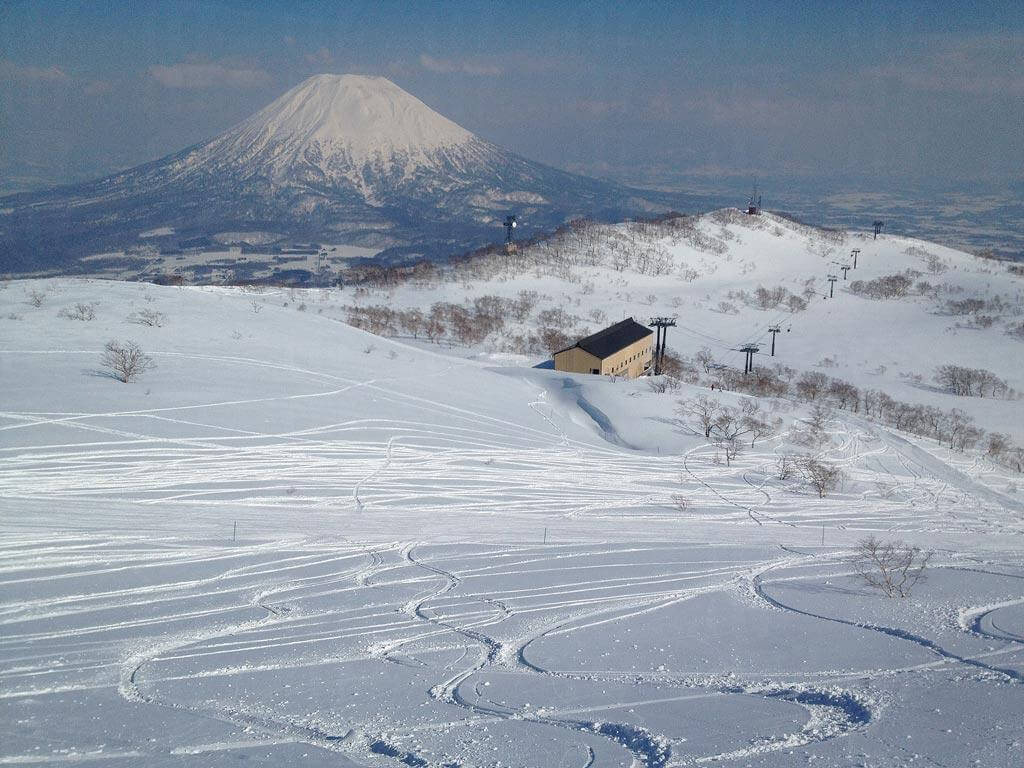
(390, 598)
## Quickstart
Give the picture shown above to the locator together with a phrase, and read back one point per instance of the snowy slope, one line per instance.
(439, 562)
(699, 274)
(338, 158)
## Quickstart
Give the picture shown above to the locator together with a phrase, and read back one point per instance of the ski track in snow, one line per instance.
(440, 615)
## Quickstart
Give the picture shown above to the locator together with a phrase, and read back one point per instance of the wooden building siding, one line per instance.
(575, 360)
(631, 361)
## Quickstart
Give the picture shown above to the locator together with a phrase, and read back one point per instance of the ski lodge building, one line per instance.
(623, 349)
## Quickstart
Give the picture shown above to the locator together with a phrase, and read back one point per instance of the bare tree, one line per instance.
(705, 359)
(822, 476)
(787, 465)
(680, 502)
(997, 445)
(702, 409)
(892, 567)
(151, 317)
(727, 431)
(126, 362)
(35, 298)
(812, 385)
(972, 382)
(661, 384)
(757, 423)
(412, 322)
(80, 311)
(1015, 457)
(816, 421)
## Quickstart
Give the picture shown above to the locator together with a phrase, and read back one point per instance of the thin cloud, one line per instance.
(983, 65)
(196, 76)
(11, 71)
(34, 77)
(467, 67)
(97, 88)
(598, 108)
(321, 57)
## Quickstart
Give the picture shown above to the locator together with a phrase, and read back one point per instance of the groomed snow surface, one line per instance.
(293, 543)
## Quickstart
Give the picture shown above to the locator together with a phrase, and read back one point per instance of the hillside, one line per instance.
(294, 542)
(727, 277)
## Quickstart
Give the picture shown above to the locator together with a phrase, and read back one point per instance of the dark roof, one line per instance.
(613, 338)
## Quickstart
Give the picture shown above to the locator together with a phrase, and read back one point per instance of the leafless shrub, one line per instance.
(824, 477)
(702, 409)
(980, 321)
(148, 317)
(796, 303)
(935, 265)
(80, 311)
(434, 326)
(813, 433)
(705, 359)
(844, 394)
(662, 384)
(891, 567)
(681, 503)
(886, 287)
(812, 385)
(553, 339)
(770, 298)
(965, 306)
(727, 433)
(125, 362)
(757, 424)
(971, 382)
(725, 427)
(787, 465)
(997, 445)
(36, 298)
(762, 381)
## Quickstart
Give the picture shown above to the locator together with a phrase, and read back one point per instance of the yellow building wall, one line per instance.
(575, 360)
(631, 361)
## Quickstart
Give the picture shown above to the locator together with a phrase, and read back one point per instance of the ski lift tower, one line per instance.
(754, 204)
(662, 324)
(511, 222)
(322, 266)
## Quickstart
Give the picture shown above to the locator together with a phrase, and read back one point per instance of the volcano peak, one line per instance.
(362, 118)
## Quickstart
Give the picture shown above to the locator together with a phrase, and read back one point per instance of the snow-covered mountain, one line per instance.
(338, 158)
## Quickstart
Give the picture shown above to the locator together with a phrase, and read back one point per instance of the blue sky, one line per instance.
(883, 93)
